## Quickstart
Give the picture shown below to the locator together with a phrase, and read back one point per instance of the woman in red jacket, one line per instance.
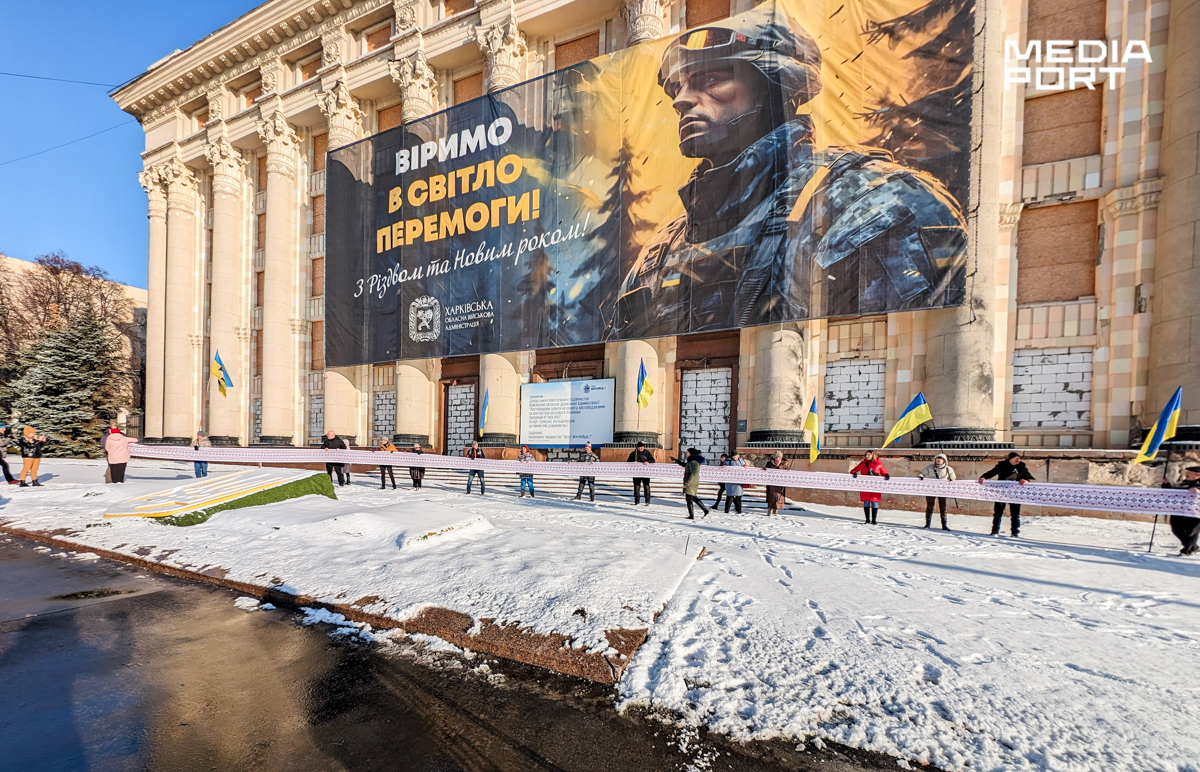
(870, 465)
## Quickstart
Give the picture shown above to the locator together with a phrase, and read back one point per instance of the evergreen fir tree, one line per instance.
(73, 383)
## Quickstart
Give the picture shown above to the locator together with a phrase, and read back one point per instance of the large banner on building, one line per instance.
(803, 159)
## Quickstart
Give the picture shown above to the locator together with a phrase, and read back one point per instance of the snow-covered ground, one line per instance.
(1068, 649)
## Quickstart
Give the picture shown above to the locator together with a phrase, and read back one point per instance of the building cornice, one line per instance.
(263, 35)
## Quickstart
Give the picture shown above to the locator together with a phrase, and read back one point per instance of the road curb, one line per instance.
(550, 652)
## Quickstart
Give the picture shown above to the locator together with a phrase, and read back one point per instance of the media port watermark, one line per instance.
(1070, 64)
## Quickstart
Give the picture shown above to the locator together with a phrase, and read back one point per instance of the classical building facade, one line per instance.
(1085, 266)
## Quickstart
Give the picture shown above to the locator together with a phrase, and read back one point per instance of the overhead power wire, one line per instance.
(58, 80)
(72, 142)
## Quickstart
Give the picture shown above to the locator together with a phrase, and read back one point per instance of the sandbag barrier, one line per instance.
(1103, 498)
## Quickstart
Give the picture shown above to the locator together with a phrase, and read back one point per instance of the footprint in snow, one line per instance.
(816, 609)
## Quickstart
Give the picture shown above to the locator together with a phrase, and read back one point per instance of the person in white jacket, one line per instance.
(940, 469)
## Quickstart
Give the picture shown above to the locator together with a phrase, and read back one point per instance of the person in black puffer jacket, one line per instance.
(6, 439)
(1012, 468)
(333, 442)
(641, 456)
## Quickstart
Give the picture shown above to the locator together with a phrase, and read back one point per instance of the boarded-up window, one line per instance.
(379, 38)
(260, 232)
(261, 177)
(318, 345)
(468, 88)
(260, 283)
(1066, 20)
(577, 50)
(389, 118)
(318, 213)
(320, 148)
(252, 95)
(202, 119)
(308, 70)
(1056, 253)
(318, 277)
(454, 7)
(701, 12)
(258, 352)
(1062, 126)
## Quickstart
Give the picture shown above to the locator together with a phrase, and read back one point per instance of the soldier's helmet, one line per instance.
(783, 52)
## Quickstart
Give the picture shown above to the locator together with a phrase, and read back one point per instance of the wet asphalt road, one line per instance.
(105, 667)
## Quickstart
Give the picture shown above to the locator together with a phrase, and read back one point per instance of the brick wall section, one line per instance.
(704, 400)
(385, 414)
(1052, 388)
(316, 415)
(257, 410)
(460, 418)
(1063, 125)
(854, 395)
(1056, 252)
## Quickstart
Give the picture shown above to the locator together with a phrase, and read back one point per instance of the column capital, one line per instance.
(281, 141)
(504, 46)
(418, 85)
(155, 185)
(342, 113)
(643, 19)
(227, 163)
(181, 186)
(1132, 199)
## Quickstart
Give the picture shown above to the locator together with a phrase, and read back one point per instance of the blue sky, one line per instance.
(84, 199)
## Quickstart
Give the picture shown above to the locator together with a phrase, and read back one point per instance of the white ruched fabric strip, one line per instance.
(1104, 498)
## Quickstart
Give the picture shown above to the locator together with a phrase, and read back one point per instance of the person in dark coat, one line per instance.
(1187, 529)
(586, 456)
(31, 444)
(1012, 468)
(417, 473)
(777, 494)
(720, 485)
(475, 452)
(691, 481)
(333, 442)
(872, 467)
(641, 456)
(6, 438)
(526, 457)
(385, 470)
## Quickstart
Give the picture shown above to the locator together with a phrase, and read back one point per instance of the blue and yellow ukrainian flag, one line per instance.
(913, 416)
(644, 389)
(812, 422)
(1163, 429)
(217, 368)
(483, 412)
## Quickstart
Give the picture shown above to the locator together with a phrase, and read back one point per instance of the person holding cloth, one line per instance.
(872, 467)
(1012, 468)
(6, 439)
(940, 469)
(333, 442)
(777, 494)
(475, 453)
(641, 456)
(199, 442)
(720, 485)
(586, 456)
(733, 491)
(116, 450)
(417, 473)
(526, 457)
(386, 472)
(1187, 529)
(691, 481)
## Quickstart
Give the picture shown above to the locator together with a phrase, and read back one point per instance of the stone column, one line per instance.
(1175, 335)
(632, 423)
(959, 383)
(228, 289)
(278, 370)
(415, 403)
(181, 381)
(777, 415)
(342, 397)
(153, 183)
(504, 46)
(342, 115)
(498, 378)
(418, 85)
(643, 20)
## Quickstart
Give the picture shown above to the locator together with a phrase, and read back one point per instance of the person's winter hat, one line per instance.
(942, 456)
(694, 451)
(114, 430)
